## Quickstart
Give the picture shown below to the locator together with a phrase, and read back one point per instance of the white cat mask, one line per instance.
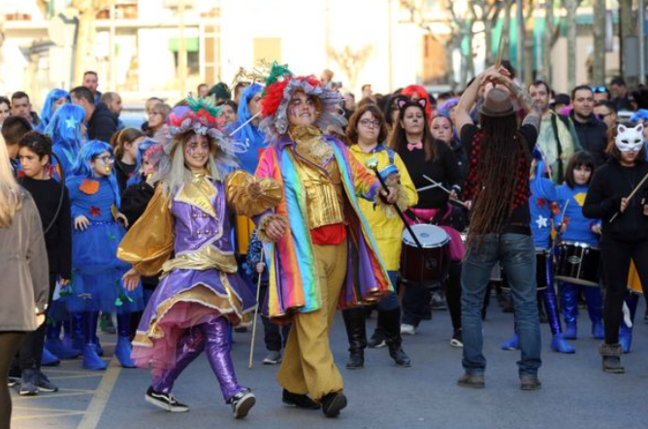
(629, 139)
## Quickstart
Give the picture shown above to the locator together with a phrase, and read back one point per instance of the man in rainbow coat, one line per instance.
(319, 249)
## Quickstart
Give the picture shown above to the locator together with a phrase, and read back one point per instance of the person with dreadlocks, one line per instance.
(323, 252)
(498, 184)
(185, 232)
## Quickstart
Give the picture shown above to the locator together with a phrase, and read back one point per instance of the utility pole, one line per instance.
(182, 51)
(641, 19)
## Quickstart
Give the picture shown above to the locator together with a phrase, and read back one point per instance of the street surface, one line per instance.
(575, 392)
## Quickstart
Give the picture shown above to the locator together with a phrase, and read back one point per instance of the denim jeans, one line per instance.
(516, 253)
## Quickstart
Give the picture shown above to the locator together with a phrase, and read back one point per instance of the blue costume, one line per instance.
(96, 271)
(578, 229)
(249, 134)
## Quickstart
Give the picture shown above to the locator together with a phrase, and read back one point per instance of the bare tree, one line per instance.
(572, 7)
(351, 62)
(598, 72)
(487, 11)
(550, 37)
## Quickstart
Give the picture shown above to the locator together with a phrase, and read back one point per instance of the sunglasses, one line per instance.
(599, 89)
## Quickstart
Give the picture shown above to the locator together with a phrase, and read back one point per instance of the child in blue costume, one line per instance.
(542, 204)
(575, 228)
(96, 271)
(65, 129)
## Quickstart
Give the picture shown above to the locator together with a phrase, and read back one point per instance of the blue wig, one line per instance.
(640, 115)
(83, 166)
(48, 108)
(249, 133)
(65, 130)
(145, 145)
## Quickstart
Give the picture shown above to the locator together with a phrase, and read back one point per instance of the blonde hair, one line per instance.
(10, 195)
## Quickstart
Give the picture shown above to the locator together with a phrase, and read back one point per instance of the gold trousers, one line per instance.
(308, 366)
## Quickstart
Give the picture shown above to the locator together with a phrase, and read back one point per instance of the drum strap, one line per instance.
(554, 127)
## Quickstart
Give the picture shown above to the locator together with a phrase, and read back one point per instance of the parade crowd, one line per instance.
(285, 198)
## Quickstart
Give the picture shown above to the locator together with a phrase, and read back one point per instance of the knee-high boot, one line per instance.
(391, 322)
(190, 345)
(569, 296)
(594, 299)
(625, 330)
(558, 342)
(354, 321)
(217, 348)
(91, 359)
(123, 348)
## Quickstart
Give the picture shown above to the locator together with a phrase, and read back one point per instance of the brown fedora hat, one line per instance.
(497, 104)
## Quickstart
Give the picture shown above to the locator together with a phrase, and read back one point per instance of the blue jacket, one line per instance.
(579, 228)
(541, 204)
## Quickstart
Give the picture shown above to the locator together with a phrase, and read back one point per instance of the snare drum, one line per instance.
(430, 264)
(578, 263)
(541, 271)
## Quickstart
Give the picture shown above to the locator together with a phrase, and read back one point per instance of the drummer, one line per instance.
(618, 190)
(366, 130)
(425, 156)
(573, 227)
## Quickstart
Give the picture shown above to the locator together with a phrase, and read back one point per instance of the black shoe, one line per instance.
(242, 403)
(11, 382)
(333, 403)
(356, 360)
(166, 401)
(43, 383)
(299, 401)
(400, 358)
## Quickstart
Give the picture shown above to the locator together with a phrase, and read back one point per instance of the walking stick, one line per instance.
(256, 313)
(632, 194)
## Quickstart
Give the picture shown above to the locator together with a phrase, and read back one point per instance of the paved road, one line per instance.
(575, 393)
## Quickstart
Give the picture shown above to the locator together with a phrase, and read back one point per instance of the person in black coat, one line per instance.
(102, 124)
(592, 132)
(624, 235)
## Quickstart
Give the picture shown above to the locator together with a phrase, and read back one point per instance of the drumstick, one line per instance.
(562, 216)
(436, 184)
(500, 51)
(632, 194)
(256, 313)
(373, 164)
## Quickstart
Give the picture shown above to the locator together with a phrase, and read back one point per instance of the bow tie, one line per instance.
(411, 147)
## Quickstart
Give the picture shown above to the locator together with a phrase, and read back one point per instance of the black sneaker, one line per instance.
(242, 402)
(43, 383)
(333, 403)
(27, 386)
(166, 401)
(299, 401)
(11, 382)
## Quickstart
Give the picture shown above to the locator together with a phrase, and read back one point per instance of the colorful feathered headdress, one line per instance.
(200, 115)
(281, 85)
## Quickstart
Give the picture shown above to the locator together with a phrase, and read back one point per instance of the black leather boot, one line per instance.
(354, 321)
(393, 337)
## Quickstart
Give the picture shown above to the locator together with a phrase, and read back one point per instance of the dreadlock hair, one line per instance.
(502, 146)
